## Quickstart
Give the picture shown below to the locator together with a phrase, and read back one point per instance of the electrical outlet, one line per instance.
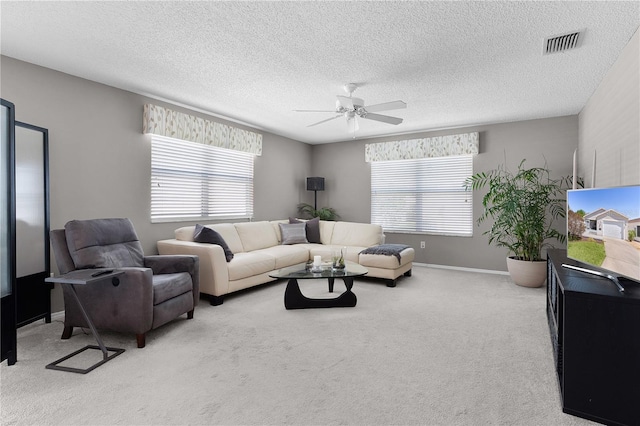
(422, 244)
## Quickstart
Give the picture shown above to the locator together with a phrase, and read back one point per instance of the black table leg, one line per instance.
(348, 282)
(294, 299)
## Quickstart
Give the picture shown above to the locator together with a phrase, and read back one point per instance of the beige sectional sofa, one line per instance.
(258, 250)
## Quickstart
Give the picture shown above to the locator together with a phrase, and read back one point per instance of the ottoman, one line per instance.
(388, 261)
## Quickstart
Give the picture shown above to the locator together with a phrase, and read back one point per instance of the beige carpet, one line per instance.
(442, 348)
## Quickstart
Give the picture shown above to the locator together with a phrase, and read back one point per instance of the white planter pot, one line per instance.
(527, 273)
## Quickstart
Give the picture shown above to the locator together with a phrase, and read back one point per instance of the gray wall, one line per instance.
(348, 181)
(609, 124)
(100, 162)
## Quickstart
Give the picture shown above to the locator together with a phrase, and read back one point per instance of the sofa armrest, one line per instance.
(214, 275)
(170, 264)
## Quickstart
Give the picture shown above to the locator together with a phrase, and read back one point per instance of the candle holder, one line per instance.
(317, 264)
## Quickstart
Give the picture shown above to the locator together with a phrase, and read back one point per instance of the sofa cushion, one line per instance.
(326, 231)
(202, 234)
(229, 232)
(387, 262)
(103, 243)
(312, 228)
(256, 235)
(326, 251)
(356, 234)
(287, 255)
(293, 233)
(276, 227)
(226, 230)
(386, 250)
(248, 264)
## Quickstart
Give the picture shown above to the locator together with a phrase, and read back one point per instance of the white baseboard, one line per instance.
(461, 268)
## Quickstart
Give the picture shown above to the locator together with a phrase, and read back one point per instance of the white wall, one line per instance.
(609, 124)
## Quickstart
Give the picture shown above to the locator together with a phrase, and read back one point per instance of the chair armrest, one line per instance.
(171, 264)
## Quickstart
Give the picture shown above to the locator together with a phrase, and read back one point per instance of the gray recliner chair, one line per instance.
(152, 291)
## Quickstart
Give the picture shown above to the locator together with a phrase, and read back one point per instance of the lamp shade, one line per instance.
(315, 184)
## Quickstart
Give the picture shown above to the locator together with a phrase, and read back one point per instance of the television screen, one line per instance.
(603, 228)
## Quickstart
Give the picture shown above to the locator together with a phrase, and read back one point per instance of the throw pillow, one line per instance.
(312, 228)
(202, 234)
(293, 233)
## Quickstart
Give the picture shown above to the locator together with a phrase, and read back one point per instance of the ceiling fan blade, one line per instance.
(313, 110)
(386, 106)
(383, 118)
(324, 121)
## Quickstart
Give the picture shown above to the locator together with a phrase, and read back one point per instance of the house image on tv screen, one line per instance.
(607, 223)
(603, 228)
(635, 224)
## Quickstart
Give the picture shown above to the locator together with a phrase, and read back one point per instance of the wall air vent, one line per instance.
(562, 43)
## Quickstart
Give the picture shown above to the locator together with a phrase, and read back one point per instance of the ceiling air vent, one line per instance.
(562, 43)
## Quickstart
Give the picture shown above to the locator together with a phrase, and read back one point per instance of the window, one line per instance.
(193, 181)
(425, 195)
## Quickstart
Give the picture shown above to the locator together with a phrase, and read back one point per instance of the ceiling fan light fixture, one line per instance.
(351, 108)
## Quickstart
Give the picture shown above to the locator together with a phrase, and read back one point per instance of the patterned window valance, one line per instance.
(165, 122)
(438, 146)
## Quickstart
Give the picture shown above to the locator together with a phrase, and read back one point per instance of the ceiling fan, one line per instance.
(351, 108)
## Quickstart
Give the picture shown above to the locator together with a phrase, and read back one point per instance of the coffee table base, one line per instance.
(294, 299)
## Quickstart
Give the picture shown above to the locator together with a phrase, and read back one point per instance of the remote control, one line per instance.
(99, 273)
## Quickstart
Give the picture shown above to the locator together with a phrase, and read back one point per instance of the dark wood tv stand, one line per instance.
(595, 336)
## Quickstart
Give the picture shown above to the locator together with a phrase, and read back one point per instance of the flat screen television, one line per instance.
(603, 231)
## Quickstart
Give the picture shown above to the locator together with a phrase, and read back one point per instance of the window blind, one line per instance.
(193, 181)
(423, 195)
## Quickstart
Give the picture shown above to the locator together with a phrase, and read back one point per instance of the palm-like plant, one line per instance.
(324, 213)
(523, 206)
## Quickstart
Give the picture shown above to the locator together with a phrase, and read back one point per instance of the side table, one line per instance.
(86, 277)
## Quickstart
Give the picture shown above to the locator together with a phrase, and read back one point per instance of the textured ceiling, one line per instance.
(454, 63)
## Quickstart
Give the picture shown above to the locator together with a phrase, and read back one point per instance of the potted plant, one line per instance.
(324, 213)
(524, 207)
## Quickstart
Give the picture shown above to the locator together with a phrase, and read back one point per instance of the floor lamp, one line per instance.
(315, 184)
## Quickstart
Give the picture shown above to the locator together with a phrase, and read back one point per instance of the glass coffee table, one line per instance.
(293, 297)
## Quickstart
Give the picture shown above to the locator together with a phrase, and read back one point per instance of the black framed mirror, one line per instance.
(8, 339)
(33, 295)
